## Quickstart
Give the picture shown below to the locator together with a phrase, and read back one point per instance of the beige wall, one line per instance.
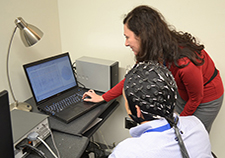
(94, 28)
(44, 15)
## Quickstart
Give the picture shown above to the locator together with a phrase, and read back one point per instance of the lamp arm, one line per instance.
(7, 65)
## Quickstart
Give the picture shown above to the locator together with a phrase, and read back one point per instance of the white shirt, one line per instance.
(163, 144)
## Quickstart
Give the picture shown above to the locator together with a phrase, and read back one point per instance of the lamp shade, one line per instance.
(29, 33)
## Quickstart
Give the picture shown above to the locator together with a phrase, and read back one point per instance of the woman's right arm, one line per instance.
(113, 93)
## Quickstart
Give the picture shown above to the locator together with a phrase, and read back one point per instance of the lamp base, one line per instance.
(21, 106)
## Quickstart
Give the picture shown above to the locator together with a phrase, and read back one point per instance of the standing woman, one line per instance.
(199, 82)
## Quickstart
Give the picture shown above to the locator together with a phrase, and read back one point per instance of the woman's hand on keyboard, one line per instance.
(91, 96)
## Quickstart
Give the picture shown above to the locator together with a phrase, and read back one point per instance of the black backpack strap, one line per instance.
(213, 76)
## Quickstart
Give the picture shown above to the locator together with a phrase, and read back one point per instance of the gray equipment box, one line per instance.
(97, 74)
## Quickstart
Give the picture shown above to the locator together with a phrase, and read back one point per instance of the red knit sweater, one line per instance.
(114, 92)
(190, 81)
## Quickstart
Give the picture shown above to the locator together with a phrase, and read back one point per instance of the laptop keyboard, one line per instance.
(64, 103)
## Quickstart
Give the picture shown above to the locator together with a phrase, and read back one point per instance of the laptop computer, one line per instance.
(55, 88)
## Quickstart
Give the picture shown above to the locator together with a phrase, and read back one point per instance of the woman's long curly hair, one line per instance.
(159, 41)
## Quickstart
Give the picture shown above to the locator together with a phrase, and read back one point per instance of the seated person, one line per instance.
(150, 94)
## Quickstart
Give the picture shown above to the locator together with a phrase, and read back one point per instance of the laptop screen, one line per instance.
(50, 76)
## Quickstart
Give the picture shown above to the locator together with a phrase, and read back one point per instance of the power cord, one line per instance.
(46, 145)
(100, 150)
(31, 149)
(104, 140)
(53, 140)
(26, 147)
(75, 72)
(96, 149)
(34, 136)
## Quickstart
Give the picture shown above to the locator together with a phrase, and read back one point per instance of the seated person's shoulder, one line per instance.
(127, 149)
(191, 121)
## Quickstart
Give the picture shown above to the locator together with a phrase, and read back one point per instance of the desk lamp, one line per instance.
(29, 35)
